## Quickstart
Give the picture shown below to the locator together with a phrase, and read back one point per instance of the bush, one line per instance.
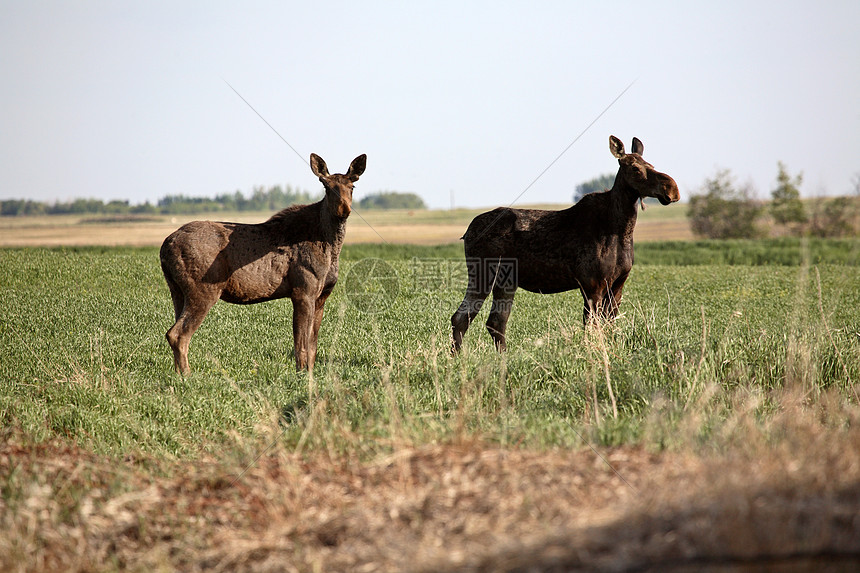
(723, 211)
(836, 217)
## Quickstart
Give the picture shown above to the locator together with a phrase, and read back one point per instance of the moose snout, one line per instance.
(670, 192)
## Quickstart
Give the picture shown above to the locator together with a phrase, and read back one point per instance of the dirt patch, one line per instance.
(456, 507)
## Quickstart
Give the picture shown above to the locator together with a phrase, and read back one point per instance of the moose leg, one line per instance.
(613, 297)
(303, 323)
(497, 322)
(318, 315)
(177, 296)
(189, 319)
(466, 313)
(593, 302)
(476, 293)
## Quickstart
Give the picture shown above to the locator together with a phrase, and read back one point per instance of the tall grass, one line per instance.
(84, 358)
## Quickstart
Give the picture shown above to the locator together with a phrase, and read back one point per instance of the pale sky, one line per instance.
(128, 100)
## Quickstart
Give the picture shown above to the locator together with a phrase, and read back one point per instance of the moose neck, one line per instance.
(330, 218)
(624, 206)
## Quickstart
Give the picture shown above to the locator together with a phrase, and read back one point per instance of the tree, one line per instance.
(786, 206)
(723, 211)
(596, 185)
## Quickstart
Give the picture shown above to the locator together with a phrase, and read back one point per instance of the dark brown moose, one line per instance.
(588, 246)
(294, 254)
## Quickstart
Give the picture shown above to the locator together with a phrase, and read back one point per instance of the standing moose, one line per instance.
(294, 254)
(588, 246)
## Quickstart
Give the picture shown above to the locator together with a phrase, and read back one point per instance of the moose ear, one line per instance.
(638, 147)
(616, 146)
(318, 166)
(356, 168)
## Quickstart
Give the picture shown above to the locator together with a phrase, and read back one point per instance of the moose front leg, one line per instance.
(303, 326)
(601, 299)
(315, 332)
(593, 303)
(613, 297)
(497, 322)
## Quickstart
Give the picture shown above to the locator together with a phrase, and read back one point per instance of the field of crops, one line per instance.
(749, 348)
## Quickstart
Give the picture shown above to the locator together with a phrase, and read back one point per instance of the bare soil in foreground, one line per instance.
(759, 505)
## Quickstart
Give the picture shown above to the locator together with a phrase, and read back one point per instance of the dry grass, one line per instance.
(401, 227)
(780, 496)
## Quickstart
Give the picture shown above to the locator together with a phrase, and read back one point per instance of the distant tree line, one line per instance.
(392, 200)
(272, 199)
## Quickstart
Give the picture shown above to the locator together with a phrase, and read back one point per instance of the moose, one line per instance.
(588, 246)
(293, 254)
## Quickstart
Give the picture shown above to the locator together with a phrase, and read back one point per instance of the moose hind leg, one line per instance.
(476, 293)
(497, 322)
(189, 320)
(177, 296)
(463, 317)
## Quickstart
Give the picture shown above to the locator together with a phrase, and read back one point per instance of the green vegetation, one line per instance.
(84, 356)
(792, 252)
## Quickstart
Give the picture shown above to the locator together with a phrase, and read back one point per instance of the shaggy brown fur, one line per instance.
(588, 246)
(294, 254)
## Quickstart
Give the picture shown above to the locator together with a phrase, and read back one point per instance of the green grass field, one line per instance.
(84, 355)
(720, 347)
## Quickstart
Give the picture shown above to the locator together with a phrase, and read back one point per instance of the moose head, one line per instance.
(338, 188)
(640, 175)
